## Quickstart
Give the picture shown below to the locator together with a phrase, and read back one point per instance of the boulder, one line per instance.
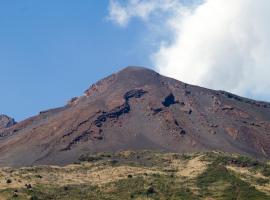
(6, 122)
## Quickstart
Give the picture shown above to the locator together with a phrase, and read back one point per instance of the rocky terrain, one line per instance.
(138, 109)
(6, 122)
(141, 175)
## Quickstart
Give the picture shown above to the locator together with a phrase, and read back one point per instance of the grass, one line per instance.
(142, 175)
(234, 187)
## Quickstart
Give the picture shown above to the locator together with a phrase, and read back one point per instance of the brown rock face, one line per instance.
(139, 109)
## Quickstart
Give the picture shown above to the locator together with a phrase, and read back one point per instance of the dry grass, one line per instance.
(136, 171)
(249, 175)
(190, 168)
(70, 175)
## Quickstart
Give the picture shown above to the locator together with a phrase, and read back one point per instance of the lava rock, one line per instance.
(6, 122)
(169, 100)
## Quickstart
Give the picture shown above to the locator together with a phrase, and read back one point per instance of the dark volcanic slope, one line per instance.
(139, 109)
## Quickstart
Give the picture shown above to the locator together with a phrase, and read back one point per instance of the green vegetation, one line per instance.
(142, 175)
(231, 187)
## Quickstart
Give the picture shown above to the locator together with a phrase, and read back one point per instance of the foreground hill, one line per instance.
(137, 108)
(142, 175)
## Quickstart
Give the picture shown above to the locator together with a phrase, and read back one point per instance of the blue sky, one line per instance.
(53, 50)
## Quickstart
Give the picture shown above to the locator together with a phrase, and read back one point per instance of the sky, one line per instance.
(53, 50)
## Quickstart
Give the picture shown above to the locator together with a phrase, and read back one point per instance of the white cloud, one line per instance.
(142, 9)
(220, 44)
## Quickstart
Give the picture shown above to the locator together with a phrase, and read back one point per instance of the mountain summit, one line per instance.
(138, 108)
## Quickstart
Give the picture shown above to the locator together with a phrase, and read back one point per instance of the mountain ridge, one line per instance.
(137, 108)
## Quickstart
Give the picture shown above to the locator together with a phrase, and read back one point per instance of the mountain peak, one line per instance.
(131, 76)
(136, 72)
(137, 108)
(136, 68)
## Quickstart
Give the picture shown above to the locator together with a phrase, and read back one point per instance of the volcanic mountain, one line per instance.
(135, 109)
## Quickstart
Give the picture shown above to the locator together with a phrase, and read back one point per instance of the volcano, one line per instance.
(137, 109)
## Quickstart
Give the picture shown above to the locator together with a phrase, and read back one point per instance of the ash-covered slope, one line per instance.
(139, 109)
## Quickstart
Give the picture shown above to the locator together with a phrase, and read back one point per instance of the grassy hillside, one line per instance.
(142, 175)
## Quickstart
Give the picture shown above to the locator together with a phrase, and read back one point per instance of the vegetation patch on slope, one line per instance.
(141, 175)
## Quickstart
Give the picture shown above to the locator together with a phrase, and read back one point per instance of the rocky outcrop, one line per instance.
(6, 122)
(169, 100)
(95, 128)
(120, 110)
(244, 100)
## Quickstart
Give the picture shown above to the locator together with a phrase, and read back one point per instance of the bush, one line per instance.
(89, 158)
(33, 197)
(9, 181)
(150, 190)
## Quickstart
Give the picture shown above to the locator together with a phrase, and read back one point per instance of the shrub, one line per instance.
(9, 181)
